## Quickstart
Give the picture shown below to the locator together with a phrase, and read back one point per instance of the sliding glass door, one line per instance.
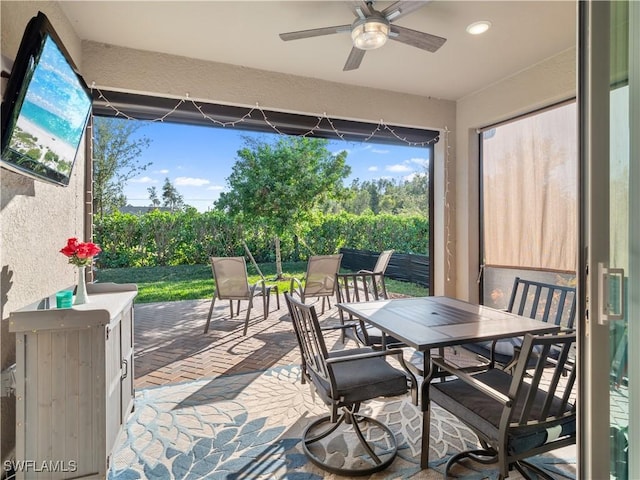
(609, 96)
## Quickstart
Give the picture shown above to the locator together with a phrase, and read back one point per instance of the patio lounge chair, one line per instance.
(232, 283)
(320, 279)
(343, 380)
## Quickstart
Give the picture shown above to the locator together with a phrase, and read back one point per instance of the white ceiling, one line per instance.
(246, 33)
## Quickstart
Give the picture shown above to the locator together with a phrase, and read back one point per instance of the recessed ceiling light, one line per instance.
(476, 28)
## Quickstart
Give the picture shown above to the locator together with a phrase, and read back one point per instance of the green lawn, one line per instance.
(189, 282)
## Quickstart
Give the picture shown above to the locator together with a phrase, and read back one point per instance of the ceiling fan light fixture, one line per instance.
(370, 34)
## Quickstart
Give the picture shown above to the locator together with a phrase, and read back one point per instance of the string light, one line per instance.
(378, 128)
(447, 205)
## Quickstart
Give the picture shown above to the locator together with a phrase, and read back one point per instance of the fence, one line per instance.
(407, 267)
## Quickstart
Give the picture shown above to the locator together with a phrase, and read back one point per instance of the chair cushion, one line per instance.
(483, 414)
(375, 337)
(503, 352)
(361, 380)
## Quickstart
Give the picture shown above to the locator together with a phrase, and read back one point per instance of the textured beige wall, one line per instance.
(543, 84)
(36, 218)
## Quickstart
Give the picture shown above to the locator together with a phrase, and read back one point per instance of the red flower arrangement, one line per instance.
(80, 253)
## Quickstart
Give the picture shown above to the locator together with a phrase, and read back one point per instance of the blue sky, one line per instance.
(198, 160)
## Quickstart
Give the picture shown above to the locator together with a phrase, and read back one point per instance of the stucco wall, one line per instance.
(543, 84)
(36, 218)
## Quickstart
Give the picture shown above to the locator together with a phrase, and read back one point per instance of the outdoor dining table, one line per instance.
(426, 323)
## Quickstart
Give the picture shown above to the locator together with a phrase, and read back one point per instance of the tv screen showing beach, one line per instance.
(49, 117)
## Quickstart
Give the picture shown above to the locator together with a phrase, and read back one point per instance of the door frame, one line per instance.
(594, 356)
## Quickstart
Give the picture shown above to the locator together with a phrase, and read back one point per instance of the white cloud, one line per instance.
(372, 168)
(398, 168)
(338, 152)
(164, 171)
(423, 162)
(191, 182)
(379, 151)
(413, 175)
(215, 187)
(143, 180)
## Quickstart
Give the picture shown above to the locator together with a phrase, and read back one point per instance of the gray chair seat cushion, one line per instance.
(503, 352)
(483, 413)
(361, 380)
(374, 335)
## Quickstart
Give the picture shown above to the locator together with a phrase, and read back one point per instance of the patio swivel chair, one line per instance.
(320, 279)
(515, 415)
(344, 380)
(232, 283)
(542, 301)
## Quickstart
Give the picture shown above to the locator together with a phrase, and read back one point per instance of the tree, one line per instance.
(277, 184)
(171, 197)
(116, 160)
(153, 196)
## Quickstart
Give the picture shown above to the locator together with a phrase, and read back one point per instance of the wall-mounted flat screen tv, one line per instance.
(45, 108)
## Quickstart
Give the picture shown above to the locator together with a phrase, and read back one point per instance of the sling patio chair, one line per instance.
(380, 267)
(345, 442)
(320, 279)
(516, 414)
(232, 283)
(381, 263)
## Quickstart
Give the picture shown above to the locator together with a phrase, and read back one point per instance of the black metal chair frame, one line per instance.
(543, 301)
(363, 287)
(325, 371)
(515, 415)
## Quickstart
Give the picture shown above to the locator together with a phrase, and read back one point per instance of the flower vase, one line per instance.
(81, 290)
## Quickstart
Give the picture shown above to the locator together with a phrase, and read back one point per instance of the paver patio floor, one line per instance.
(170, 345)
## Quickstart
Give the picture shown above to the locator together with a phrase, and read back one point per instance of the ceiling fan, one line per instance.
(372, 28)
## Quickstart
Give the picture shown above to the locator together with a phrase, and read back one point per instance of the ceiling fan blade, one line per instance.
(360, 8)
(315, 32)
(401, 8)
(425, 41)
(354, 59)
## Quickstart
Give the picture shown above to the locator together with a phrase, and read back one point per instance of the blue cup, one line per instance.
(64, 299)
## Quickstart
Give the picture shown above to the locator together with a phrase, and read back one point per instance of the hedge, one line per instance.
(190, 237)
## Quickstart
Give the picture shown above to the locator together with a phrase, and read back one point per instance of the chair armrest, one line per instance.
(259, 284)
(365, 271)
(295, 285)
(360, 356)
(340, 327)
(474, 382)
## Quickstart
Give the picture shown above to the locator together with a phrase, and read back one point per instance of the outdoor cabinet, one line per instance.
(74, 382)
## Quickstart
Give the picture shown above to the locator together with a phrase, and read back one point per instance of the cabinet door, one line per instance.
(113, 358)
(126, 340)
